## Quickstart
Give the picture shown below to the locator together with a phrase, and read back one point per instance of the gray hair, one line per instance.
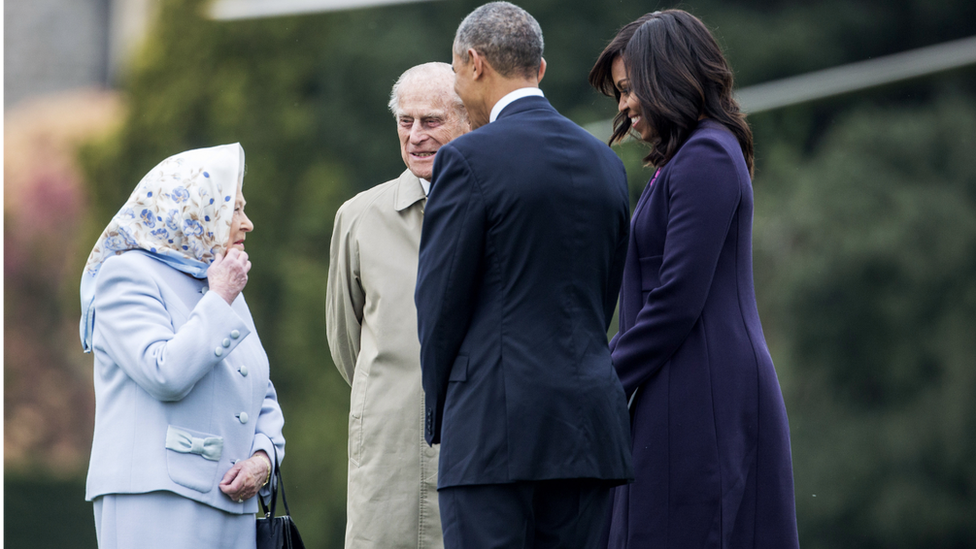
(508, 36)
(431, 75)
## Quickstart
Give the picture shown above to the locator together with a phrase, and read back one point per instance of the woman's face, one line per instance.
(628, 103)
(240, 225)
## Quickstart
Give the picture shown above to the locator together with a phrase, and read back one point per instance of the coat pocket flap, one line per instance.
(190, 458)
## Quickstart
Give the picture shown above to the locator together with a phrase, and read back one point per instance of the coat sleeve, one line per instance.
(703, 196)
(344, 296)
(135, 330)
(267, 432)
(449, 271)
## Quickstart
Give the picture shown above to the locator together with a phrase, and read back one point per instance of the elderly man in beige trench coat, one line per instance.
(372, 326)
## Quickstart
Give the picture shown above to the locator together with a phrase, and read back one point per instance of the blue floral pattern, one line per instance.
(178, 222)
(192, 227)
(148, 218)
(180, 195)
(177, 216)
(114, 243)
(172, 220)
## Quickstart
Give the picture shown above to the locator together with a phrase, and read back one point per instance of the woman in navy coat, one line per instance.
(187, 422)
(710, 433)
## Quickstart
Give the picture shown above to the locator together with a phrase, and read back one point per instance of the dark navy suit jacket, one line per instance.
(524, 238)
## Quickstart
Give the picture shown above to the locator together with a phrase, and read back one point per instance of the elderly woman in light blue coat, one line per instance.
(186, 417)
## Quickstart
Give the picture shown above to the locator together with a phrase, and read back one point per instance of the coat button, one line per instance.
(234, 334)
(243, 371)
(225, 342)
(219, 351)
(242, 417)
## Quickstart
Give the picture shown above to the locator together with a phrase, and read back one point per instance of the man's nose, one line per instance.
(417, 132)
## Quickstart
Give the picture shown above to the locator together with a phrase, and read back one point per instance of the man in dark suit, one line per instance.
(521, 256)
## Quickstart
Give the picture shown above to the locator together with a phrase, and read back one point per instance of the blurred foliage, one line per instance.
(66, 520)
(865, 224)
(48, 403)
(869, 256)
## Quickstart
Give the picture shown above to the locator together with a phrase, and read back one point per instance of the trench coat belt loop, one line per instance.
(181, 441)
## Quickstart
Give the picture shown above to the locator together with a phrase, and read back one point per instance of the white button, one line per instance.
(219, 351)
(242, 416)
(234, 334)
(225, 342)
(243, 371)
(204, 290)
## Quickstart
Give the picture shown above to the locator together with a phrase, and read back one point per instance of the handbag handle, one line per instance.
(276, 483)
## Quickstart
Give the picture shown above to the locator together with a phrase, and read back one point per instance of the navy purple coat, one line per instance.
(711, 438)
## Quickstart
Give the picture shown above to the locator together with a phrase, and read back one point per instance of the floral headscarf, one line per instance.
(180, 212)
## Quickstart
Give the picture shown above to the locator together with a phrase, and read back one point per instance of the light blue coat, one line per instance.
(182, 388)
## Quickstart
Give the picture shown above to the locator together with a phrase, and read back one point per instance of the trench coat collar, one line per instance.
(408, 191)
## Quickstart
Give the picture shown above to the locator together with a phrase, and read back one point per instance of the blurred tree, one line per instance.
(871, 247)
(43, 208)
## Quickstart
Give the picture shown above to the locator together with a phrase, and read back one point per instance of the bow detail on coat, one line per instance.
(181, 441)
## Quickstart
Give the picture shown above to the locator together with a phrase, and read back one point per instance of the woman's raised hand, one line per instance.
(227, 275)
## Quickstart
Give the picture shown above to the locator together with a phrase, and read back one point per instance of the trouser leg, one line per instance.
(571, 514)
(486, 516)
(563, 514)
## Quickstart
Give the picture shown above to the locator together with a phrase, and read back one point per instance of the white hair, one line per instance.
(435, 75)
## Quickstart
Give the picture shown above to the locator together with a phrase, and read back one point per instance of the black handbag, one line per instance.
(277, 532)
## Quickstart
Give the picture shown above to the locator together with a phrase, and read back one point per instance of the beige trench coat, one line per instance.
(372, 332)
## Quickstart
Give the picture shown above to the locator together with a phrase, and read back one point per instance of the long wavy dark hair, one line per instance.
(678, 74)
(601, 76)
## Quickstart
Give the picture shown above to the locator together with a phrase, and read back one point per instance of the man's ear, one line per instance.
(478, 64)
(542, 69)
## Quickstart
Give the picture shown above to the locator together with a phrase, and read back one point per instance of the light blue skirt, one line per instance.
(164, 520)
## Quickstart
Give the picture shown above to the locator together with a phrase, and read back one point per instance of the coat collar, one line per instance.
(409, 191)
(524, 104)
(510, 98)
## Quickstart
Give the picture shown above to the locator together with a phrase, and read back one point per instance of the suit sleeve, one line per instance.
(619, 255)
(449, 272)
(136, 332)
(704, 195)
(344, 296)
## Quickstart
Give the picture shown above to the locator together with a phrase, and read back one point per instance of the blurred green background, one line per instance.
(865, 241)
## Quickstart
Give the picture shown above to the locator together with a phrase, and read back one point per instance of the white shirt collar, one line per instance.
(425, 184)
(512, 96)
